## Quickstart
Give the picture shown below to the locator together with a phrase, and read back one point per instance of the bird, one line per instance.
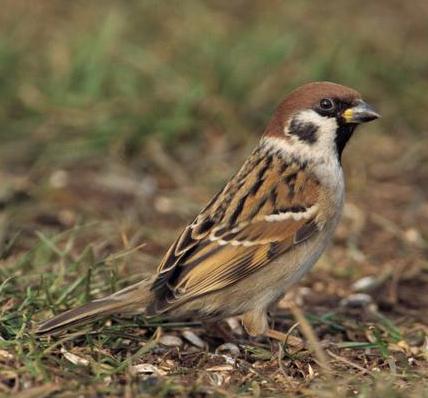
(262, 232)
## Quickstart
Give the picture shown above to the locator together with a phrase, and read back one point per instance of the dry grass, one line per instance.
(53, 259)
(102, 128)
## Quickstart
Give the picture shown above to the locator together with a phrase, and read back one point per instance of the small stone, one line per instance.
(67, 217)
(228, 348)
(356, 300)
(414, 237)
(58, 179)
(193, 338)
(365, 284)
(6, 355)
(164, 205)
(169, 340)
(148, 369)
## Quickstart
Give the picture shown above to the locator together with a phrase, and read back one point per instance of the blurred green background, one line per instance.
(79, 78)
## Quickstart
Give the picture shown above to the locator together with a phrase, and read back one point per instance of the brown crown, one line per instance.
(306, 97)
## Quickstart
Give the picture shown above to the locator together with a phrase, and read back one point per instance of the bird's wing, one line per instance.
(269, 206)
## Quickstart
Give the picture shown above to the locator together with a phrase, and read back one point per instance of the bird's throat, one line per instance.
(343, 134)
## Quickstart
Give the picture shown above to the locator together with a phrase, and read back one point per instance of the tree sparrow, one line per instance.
(263, 231)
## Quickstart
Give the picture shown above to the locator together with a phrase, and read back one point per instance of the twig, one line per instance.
(348, 362)
(313, 341)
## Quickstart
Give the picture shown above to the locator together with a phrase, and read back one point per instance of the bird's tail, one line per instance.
(132, 299)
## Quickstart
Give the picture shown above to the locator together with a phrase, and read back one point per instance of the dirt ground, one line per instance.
(85, 230)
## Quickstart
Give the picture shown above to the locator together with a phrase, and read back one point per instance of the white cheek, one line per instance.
(325, 135)
(322, 154)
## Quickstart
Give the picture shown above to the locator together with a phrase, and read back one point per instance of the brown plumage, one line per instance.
(262, 231)
(238, 242)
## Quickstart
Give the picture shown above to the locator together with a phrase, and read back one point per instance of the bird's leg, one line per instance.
(255, 322)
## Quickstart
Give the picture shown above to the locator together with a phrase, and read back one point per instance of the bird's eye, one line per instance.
(326, 104)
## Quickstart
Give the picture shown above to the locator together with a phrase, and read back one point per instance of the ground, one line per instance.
(112, 141)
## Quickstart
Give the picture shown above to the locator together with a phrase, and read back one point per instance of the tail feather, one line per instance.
(129, 300)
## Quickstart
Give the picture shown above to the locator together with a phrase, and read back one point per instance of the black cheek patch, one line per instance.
(306, 131)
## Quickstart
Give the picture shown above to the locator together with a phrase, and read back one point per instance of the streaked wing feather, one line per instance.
(233, 262)
(269, 206)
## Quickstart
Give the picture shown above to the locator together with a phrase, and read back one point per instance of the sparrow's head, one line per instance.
(319, 118)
